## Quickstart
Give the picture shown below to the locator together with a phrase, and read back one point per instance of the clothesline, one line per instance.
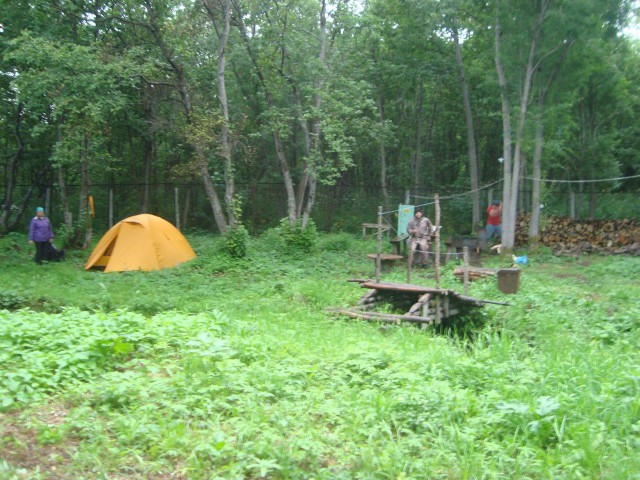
(447, 197)
(548, 180)
(593, 180)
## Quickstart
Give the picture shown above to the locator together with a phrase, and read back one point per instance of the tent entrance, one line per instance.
(103, 261)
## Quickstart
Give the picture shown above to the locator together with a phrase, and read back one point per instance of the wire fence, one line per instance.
(338, 207)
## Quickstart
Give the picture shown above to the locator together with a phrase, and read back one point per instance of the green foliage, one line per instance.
(342, 242)
(296, 238)
(236, 241)
(257, 380)
(11, 300)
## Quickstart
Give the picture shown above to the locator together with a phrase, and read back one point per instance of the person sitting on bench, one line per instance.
(419, 230)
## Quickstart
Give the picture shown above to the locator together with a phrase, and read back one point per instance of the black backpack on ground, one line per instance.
(52, 254)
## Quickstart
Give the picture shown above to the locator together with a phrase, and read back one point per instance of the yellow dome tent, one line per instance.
(142, 242)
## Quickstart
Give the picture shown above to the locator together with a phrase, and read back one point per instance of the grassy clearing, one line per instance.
(227, 369)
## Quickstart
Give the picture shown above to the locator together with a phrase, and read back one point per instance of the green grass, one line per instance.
(232, 369)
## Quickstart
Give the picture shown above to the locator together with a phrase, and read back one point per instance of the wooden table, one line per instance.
(384, 228)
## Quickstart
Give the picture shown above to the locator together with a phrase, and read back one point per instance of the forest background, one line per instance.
(230, 112)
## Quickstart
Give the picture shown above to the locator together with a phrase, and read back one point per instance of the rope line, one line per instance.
(595, 180)
(549, 180)
(461, 194)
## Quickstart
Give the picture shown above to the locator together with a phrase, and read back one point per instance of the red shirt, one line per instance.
(494, 213)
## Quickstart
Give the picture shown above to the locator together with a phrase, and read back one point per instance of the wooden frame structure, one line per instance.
(423, 305)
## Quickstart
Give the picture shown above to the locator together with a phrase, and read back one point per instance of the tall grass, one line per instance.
(232, 369)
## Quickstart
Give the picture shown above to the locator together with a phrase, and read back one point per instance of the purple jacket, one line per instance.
(40, 230)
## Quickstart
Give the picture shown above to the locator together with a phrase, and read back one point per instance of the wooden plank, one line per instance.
(400, 287)
(422, 303)
(385, 317)
(409, 288)
(385, 256)
(367, 296)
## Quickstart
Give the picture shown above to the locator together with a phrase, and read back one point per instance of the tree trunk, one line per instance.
(418, 154)
(186, 207)
(84, 212)
(292, 211)
(506, 139)
(225, 145)
(148, 158)
(534, 223)
(471, 138)
(304, 179)
(511, 197)
(11, 171)
(25, 199)
(181, 85)
(383, 155)
(210, 190)
(316, 130)
(64, 200)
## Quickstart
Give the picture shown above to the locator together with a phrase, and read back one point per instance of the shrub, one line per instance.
(297, 238)
(11, 300)
(236, 241)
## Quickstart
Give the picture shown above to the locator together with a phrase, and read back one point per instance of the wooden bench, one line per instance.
(399, 244)
(384, 228)
(387, 260)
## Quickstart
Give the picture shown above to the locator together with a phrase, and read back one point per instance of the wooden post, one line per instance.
(437, 259)
(110, 207)
(409, 264)
(378, 261)
(407, 197)
(490, 196)
(465, 254)
(572, 205)
(47, 200)
(425, 310)
(177, 206)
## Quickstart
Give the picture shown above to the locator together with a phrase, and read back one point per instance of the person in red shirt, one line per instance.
(494, 220)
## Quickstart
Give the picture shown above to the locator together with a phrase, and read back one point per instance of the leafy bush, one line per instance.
(236, 240)
(296, 238)
(11, 300)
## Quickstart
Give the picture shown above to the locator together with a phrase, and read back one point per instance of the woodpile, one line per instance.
(475, 273)
(567, 236)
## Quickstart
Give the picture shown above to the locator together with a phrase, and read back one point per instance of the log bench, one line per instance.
(387, 260)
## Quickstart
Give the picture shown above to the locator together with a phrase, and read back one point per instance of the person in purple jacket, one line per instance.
(40, 233)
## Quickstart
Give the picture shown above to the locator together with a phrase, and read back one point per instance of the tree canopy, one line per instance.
(392, 94)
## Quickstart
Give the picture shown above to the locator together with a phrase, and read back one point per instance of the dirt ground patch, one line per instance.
(20, 448)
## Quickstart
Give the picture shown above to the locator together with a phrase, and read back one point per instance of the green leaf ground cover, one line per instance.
(231, 369)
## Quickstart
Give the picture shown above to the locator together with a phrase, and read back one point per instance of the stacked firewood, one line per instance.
(475, 273)
(567, 236)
